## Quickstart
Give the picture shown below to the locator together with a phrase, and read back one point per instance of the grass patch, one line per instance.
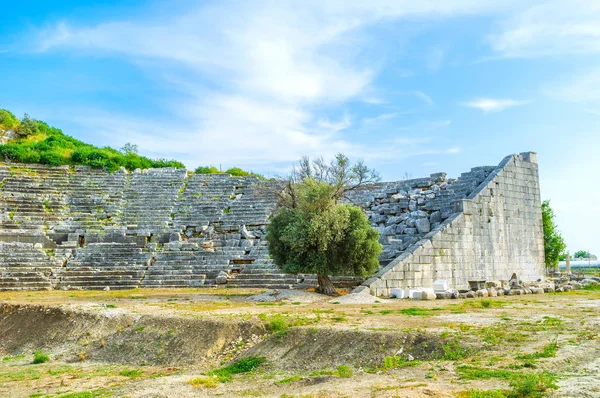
(466, 372)
(344, 371)
(13, 357)
(549, 351)
(483, 394)
(88, 394)
(204, 382)
(40, 357)
(244, 365)
(454, 352)
(415, 311)
(592, 287)
(396, 362)
(20, 375)
(290, 379)
(132, 373)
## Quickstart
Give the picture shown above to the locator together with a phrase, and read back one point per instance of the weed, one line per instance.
(548, 351)
(414, 311)
(40, 357)
(244, 365)
(139, 328)
(289, 379)
(277, 323)
(131, 373)
(592, 287)
(532, 385)
(453, 352)
(476, 373)
(396, 362)
(13, 357)
(483, 394)
(203, 381)
(344, 371)
(88, 394)
(111, 306)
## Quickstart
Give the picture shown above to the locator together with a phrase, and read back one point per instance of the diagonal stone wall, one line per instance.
(77, 227)
(496, 231)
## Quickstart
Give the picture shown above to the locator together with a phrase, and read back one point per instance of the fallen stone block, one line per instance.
(428, 295)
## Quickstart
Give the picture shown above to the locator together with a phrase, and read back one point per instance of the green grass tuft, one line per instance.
(244, 365)
(40, 357)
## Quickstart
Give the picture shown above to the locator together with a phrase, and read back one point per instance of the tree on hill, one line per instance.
(315, 234)
(554, 244)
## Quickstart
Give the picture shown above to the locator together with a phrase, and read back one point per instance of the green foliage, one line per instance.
(485, 394)
(207, 170)
(129, 149)
(27, 127)
(415, 311)
(234, 171)
(320, 236)
(532, 385)
(548, 351)
(244, 365)
(40, 357)
(453, 351)
(592, 287)
(344, 371)
(396, 362)
(8, 121)
(581, 254)
(132, 373)
(37, 142)
(277, 323)
(554, 244)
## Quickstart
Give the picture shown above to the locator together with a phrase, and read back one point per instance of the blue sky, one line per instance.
(410, 87)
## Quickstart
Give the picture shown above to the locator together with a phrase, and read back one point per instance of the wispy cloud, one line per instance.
(380, 118)
(252, 80)
(488, 105)
(550, 28)
(423, 97)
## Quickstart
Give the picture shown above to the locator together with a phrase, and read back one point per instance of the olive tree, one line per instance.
(312, 232)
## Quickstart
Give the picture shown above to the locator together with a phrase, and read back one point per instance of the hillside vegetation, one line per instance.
(34, 141)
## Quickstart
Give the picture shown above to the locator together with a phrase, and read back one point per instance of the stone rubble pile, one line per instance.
(405, 211)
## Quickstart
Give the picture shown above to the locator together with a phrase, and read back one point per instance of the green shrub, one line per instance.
(40, 357)
(207, 170)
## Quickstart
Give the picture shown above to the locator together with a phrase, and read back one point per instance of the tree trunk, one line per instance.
(325, 286)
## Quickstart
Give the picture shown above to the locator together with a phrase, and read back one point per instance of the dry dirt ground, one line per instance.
(172, 343)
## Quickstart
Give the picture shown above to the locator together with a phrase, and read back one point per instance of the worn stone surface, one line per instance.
(81, 228)
(493, 231)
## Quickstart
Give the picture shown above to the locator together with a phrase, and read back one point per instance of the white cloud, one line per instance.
(493, 104)
(549, 28)
(255, 81)
(454, 150)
